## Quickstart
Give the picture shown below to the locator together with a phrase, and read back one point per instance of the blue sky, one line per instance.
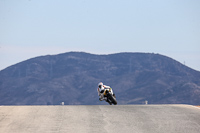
(30, 28)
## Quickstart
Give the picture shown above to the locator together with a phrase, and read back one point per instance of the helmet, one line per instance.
(100, 85)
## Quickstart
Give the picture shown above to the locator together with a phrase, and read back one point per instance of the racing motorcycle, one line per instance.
(111, 99)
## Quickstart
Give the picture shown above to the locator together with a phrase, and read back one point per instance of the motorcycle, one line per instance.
(111, 99)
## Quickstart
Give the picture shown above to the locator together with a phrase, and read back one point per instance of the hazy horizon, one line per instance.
(31, 28)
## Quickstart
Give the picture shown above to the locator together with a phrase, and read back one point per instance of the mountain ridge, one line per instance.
(73, 77)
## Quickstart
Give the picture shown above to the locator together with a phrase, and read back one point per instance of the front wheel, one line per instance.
(112, 99)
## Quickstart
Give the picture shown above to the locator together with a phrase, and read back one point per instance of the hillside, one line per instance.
(73, 77)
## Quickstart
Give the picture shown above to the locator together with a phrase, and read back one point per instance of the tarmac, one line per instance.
(100, 119)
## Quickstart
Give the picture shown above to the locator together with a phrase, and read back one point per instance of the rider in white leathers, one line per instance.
(101, 89)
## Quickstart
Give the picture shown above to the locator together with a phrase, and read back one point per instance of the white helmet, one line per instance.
(100, 85)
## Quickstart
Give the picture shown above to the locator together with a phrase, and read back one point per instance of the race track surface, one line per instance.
(100, 119)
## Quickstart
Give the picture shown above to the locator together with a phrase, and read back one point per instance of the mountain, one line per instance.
(73, 77)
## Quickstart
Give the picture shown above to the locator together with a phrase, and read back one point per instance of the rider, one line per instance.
(101, 89)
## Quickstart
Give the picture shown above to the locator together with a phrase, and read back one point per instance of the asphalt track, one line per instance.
(100, 119)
